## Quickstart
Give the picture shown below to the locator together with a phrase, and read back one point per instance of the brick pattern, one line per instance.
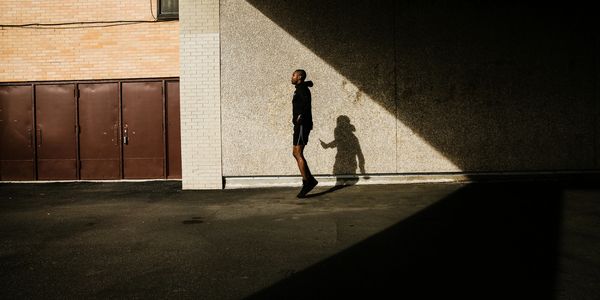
(128, 51)
(200, 94)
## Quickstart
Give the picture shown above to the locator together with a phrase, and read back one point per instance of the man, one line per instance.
(303, 123)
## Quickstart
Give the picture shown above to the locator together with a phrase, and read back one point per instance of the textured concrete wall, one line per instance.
(427, 87)
(200, 95)
(258, 58)
(77, 52)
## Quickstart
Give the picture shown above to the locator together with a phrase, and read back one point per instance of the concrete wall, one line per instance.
(427, 87)
(258, 58)
(78, 52)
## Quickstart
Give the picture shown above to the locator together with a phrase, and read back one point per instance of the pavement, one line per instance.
(536, 239)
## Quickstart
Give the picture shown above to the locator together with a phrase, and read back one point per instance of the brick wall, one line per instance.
(200, 94)
(61, 53)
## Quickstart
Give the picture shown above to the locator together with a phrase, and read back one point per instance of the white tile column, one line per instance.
(200, 94)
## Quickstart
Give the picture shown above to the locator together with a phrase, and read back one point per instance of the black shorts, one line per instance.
(301, 134)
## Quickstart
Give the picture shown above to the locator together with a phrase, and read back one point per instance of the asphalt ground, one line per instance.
(151, 240)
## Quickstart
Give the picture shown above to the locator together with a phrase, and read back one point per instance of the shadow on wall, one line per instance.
(487, 84)
(349, 156)
(485, 241)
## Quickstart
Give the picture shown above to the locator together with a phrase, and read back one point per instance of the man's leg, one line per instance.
(298, 153)
(308, 181)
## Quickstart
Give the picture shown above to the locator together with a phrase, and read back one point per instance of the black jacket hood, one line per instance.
(307, 83)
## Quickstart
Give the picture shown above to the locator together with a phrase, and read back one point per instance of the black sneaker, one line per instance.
(307, 186)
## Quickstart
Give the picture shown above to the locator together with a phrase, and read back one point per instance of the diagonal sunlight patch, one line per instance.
(501, 237)
(294, 236)
(261, 204)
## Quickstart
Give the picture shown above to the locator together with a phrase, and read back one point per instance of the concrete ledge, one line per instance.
(239, 182)
(330, 180)
(293, 181)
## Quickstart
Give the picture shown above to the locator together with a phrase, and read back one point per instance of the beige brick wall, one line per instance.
(200, 94)
(61, 53)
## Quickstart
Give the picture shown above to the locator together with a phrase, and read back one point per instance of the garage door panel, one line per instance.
(143, 152)
(144, 168)
(16, 133)
(99, 147)
(57, 169)
(56, 131)
(17, 170)
(173, 131)
(100, 168)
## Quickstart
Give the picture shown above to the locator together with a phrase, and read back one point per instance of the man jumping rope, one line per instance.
(303, 123)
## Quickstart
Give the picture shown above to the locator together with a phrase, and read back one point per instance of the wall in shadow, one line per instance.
(486, 84)
(489, 85)
(485, 241)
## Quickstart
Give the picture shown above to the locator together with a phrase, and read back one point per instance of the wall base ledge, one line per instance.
(241, 182)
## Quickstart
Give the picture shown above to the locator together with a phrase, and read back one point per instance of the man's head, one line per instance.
(298, 76)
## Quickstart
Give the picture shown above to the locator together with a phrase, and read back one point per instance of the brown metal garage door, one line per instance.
(173, 131)
(56, 131)
(122, 129)
(16, 133)
(99, 148)
(143, 133)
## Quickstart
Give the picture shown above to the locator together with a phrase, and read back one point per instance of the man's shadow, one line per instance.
(349, 155)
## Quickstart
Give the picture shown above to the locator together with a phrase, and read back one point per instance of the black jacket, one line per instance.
(301, 103)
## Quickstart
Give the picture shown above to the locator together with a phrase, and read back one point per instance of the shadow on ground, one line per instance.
(484, 241)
